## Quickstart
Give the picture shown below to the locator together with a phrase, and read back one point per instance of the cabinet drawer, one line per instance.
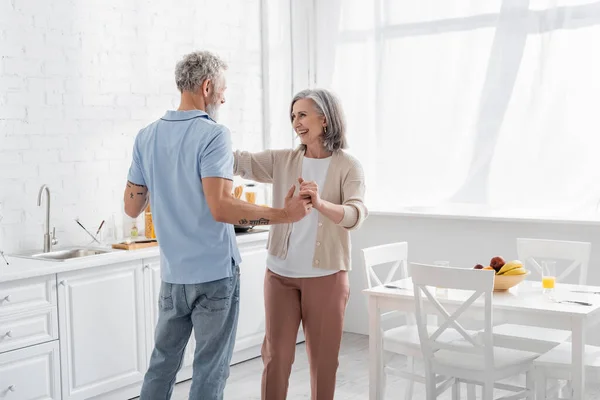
(27, 294)
(31, 373)
(28, 328)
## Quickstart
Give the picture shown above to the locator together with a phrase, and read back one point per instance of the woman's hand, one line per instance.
(310, 189)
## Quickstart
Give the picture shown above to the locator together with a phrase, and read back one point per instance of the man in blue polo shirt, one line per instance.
(183, 164)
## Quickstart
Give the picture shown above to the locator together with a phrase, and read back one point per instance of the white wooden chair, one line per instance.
(471, 359)
(530, 252)
(556, 364)
(402, 339)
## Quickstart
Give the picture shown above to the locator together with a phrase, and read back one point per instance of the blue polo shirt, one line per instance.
(170, 157)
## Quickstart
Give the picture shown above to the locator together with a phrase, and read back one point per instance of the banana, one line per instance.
(510, 266)
(516, 271)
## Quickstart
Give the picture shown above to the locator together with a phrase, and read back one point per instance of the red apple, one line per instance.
(497, 263)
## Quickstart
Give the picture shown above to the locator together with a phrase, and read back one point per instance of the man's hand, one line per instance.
(296, 207)
(310, 190)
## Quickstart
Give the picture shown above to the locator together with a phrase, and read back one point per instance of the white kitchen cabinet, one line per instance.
(104, 317)
(151, 291)
(28, 328)
(27, 294)
(251, 323)
(31, 373)
(28, 313)
(102, 329)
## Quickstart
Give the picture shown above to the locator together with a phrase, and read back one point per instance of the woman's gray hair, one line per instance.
(197, 67)
(328, 105)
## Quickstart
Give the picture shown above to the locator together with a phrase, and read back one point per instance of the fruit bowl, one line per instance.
(507, 274)
(505, 282)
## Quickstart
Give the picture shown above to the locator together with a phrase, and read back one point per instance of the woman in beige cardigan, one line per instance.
(306, 279)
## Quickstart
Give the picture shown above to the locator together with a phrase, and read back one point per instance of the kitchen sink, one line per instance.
(65, 254)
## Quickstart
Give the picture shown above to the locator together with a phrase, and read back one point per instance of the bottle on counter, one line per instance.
(134, 230)
(149, 224)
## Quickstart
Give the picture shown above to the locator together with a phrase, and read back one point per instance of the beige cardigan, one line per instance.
(344, 184)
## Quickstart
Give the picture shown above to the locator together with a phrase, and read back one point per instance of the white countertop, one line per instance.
(22, 268)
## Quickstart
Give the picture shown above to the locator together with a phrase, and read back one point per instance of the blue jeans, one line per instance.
(212, 309)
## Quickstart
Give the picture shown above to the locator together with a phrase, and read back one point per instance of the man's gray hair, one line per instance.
(327, 104)
(197, 67)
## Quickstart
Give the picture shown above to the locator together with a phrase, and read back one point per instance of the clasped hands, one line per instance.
(309, 190)
(308, 197)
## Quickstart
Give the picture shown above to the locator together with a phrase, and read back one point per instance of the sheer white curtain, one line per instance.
(494, 103)
(277, 72)
(275, 77)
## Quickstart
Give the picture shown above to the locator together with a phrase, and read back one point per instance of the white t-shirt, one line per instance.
(301, 249)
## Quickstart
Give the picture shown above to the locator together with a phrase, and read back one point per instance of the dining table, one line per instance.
(571, 307)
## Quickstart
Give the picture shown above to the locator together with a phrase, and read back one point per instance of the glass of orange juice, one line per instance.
(548, 276)
(250, 193)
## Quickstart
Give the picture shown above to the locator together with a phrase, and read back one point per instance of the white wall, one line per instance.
(463, 242)
(79, 79)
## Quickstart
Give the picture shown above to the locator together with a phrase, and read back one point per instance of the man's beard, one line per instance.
(212, 110)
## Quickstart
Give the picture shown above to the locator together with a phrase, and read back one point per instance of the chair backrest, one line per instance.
(396, 253)
(465, 279)
(530, 251)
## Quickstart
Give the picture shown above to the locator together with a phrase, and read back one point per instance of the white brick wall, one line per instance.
(77, 82)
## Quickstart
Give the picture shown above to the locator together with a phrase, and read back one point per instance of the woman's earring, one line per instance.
(324, 129)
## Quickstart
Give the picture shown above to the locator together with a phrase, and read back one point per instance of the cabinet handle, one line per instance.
(12, 388)
(63, 283)
(8, 334)
(6, 299)
(146, 266)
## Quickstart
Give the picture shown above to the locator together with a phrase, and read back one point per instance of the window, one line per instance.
(450, 102)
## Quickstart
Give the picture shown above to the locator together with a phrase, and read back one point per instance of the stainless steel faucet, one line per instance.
(48, 241)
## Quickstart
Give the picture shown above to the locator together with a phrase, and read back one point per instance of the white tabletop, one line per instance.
(527, 296)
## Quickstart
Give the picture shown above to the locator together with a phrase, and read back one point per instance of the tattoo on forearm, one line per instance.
(141, 194)
(131, 195)
(261, 221)
(254, 222)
